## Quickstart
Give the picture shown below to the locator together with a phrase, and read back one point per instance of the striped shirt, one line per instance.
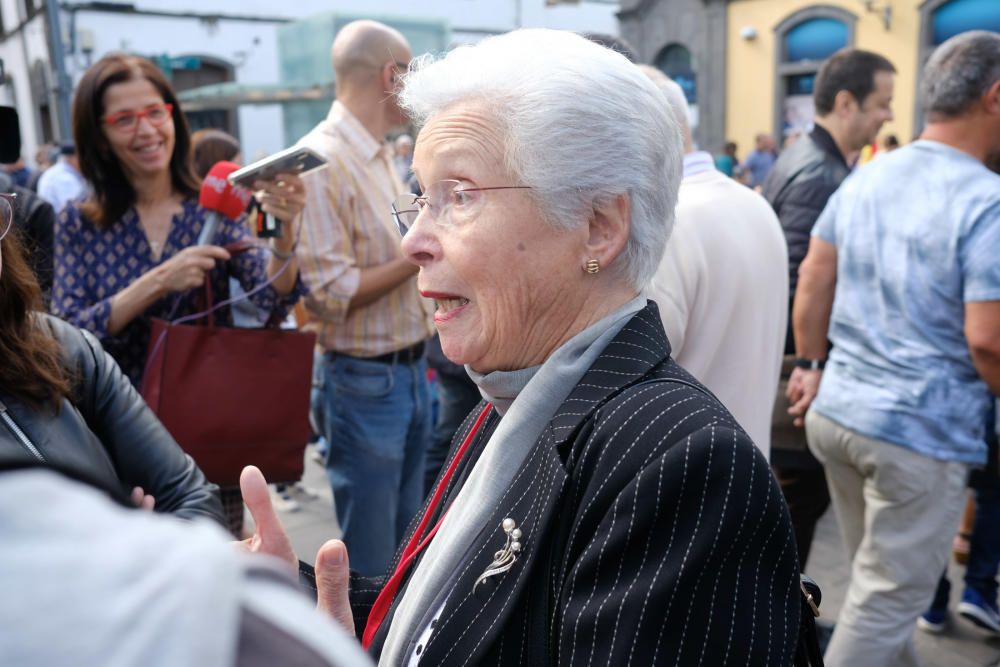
(347, 226)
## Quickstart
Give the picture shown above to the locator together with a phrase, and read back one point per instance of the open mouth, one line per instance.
(448, 305)
(451, 303)
(148, 149)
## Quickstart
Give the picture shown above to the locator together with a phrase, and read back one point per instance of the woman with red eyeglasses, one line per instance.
(128, 253)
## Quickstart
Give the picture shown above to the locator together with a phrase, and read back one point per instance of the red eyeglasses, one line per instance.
(127, 121)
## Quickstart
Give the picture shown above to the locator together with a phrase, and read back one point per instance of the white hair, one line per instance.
(674, 94)
(581, 125)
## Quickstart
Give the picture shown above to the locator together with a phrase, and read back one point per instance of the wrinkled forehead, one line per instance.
(465, 140)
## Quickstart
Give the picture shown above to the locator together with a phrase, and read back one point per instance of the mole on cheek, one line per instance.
(520, 246)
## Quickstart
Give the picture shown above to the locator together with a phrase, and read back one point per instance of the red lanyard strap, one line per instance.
(416, 545)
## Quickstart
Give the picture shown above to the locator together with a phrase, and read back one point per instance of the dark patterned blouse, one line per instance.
(92, 265)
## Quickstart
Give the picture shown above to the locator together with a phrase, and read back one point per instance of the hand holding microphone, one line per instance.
(221, 199)
(279, 199)
(187, 269)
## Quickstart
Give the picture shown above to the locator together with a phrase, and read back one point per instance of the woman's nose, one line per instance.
(144, 126)
(420, 244)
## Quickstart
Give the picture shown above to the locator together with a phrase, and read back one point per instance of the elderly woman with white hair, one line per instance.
(600, 506)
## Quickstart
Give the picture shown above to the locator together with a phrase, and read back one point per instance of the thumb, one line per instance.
(269, 535)
(332, 581)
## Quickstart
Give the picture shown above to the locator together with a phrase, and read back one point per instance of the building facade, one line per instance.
(686, 39)
(207, 43)
(754, 61)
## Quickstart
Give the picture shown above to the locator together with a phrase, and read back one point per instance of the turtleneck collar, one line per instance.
(501, 387)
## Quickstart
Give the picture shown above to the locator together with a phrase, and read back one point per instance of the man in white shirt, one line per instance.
(722, 284)
(63, 183)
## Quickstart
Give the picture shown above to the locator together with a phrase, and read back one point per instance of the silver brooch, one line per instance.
(504, 559)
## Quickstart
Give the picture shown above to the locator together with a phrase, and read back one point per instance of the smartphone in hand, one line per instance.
(294, 160)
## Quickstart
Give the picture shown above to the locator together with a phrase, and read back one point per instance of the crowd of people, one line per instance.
(655, 368)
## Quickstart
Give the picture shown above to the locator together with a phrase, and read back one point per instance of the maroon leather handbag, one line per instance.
(233, 397)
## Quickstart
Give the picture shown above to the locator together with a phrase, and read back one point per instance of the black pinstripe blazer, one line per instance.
(653, 533)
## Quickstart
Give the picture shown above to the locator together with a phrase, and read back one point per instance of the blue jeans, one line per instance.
(377, 423)
(984, 546)
(984, 552)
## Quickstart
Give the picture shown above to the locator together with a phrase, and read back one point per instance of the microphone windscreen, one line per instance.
(218, 194)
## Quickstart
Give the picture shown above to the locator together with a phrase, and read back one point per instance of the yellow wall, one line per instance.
(750, 65)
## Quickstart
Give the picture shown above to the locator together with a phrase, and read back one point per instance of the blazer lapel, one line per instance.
(487, 588)
(638, 347)
(493, 575)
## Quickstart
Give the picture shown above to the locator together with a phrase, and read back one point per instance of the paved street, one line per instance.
(961, 645)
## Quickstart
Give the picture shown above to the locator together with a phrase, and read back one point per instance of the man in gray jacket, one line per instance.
(852, 94)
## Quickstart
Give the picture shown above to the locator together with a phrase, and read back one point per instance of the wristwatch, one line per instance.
(809, 364)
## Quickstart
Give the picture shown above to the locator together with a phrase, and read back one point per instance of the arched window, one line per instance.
(195, 71)
(940, 20)
(41, 92)
(815, 39)
(675, 61)
(960, 16)
(805, 39)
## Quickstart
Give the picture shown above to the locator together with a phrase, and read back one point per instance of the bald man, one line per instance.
(370, 320)
(722, 282)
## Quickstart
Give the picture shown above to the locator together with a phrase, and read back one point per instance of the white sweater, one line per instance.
(722, 288)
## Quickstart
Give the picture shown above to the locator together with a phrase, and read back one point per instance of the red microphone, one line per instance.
(220, 198)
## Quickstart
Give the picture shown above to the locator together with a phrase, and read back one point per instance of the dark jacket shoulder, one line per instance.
(107, 432)
(667, 489)
(798, 187)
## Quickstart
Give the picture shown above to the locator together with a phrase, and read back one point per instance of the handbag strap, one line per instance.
(234, 249)
(209, 309)
(807, 652)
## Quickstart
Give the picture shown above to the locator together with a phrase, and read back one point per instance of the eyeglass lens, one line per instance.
(6, 216)
(156, 114)
(405, 210)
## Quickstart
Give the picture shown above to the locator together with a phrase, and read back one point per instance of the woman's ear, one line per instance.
(609, 230)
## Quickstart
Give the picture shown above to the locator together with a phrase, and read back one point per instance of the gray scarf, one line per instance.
(532, 406)
(501, 387)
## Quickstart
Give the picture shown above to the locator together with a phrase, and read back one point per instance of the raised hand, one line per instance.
(269, 535)
(332, 580)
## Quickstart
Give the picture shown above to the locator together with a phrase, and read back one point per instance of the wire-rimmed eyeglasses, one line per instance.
(448, 202)
(7, 200)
